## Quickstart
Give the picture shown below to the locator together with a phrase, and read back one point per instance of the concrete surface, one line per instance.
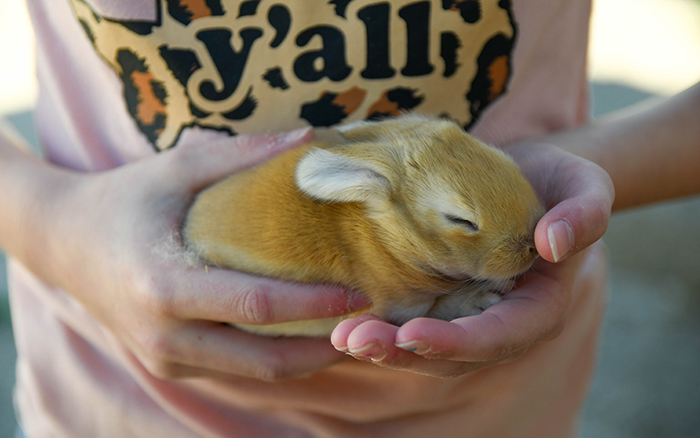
(648, 380)
(7, 374)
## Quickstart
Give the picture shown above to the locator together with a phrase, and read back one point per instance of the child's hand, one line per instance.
(579, 195)
(110, 239)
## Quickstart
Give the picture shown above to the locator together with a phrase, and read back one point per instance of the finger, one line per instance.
(367, 338)
(441, 368)
(205, 349)
(535, 310)
(192, 168)
(406, 361)
(228, 296)
(580, 216)
(373, 340)
(339, 337)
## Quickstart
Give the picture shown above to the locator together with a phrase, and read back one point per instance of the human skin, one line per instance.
(169, 314)
(578, 195)
(165, 310)
(650, 153)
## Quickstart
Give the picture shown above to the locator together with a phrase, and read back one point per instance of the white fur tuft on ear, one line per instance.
(347, 129)
(402, 126)
(328, 176)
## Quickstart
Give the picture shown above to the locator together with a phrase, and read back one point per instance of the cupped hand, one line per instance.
(113, 244)
(578, 195)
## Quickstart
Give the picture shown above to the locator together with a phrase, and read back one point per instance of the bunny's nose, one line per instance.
(530, 247)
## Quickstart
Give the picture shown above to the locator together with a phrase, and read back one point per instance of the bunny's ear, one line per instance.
(334, 177)
(402, 126)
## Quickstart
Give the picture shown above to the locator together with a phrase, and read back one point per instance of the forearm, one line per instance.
(651, 151)
(27, 184)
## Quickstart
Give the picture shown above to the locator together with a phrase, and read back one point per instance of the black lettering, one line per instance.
(281, 20)
(340, 6)
(332, 53)
(417, 18)
(376, 19)
(229, 63)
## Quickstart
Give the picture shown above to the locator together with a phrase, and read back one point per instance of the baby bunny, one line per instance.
(413, 212)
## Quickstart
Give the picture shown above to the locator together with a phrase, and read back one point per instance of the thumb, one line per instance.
(195, 166)
(580, 219)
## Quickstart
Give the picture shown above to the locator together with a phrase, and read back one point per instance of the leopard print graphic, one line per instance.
(235, 65)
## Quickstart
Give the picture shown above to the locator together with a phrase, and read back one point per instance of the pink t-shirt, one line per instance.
(121, 80)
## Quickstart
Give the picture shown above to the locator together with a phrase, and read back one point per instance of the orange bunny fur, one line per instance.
(421, 217)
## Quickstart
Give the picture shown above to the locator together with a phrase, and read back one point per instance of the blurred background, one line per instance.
(648, 380)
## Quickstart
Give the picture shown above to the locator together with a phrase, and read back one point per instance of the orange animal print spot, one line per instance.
(350, 100)
(394, 102)
(332, 108)
(498, 74)
(149, 105)
(385, 106)
(198, 8)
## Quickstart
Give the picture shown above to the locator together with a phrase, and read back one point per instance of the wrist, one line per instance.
(33, 192)
(650, 150)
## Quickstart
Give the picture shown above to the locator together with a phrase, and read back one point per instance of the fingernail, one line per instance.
(373, 352)
(296, 135)
(561, 238)
(285, 139)
(418, 347)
